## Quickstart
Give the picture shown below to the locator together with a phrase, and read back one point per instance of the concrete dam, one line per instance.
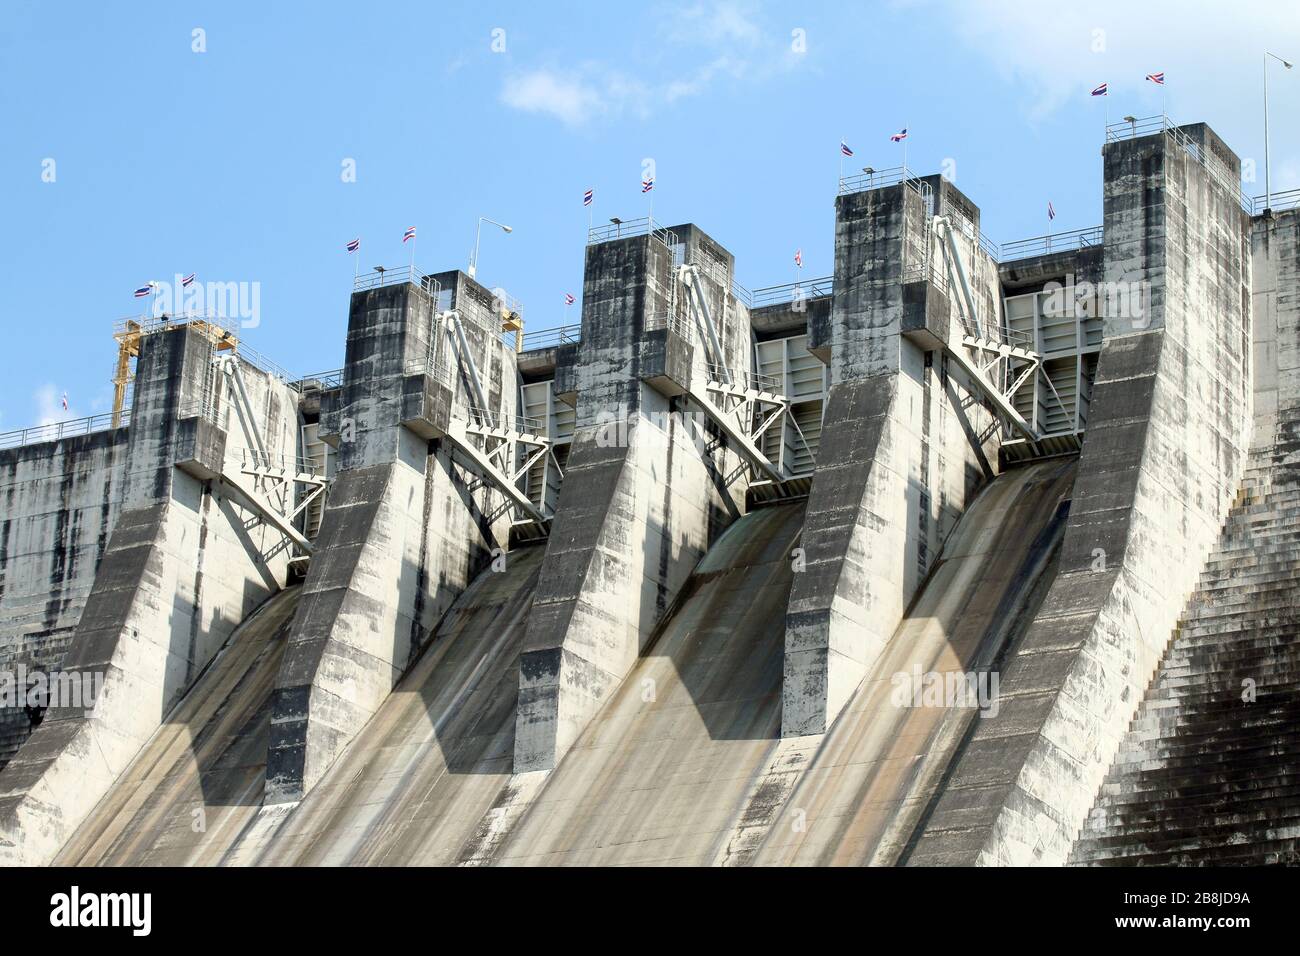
(965, 555)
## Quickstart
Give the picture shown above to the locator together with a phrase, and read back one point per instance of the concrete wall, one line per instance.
(179, 572)
(644, 494)
(1160, 464)
(405, 529)
(1275, 258)
(60, 502)
(904, 449)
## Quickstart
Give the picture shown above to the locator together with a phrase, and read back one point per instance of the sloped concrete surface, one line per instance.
(871, 781)
(413, 786)
(199, 779)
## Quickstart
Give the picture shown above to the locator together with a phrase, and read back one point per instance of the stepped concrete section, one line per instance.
(182, 567)
(904, 446)
(404, 529)
(647, 487)
(1208, 769)
(1164, 451)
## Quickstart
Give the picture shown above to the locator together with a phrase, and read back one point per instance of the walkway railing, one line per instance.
(805, 288)
(397, 275)
(551, 338)
(860, 182)
(672, 321)
(629, 228)
(55, 431)
(1054, 242)
(1290, 199)
(1151, 125)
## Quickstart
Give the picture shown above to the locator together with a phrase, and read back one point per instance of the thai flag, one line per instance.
(354, 245)
(647, 185)
(410, 234)
(899, 136)
(65, 401)
(569, 299)
(844, 149)
(798, 258)
(1100, 90)
(1051, 210)
(188, 280)
(588, 196)
(1157, 78)
(144, 290)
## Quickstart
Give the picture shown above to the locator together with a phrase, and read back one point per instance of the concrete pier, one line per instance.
(905, 446)
(405, 528)
(647, 488)
(1167, 435)
(181, 568)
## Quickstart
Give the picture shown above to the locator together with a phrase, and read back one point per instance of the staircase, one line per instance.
(1206, 776)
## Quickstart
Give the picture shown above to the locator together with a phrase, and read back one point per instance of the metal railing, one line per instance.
(552, 338)
(674, 322)
(1290, 199)
(805, 288)
(1151, 125)
(522, 424)
(398, 275)
(744, 379)
(298, 464)
(861, 182)
(742, 293)
(435, 368)
(1055, 242)
(55, 431)
(629, 228)
(322, 380)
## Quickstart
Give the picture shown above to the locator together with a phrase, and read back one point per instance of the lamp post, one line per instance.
(478, 232)
(618, 226)
(1268, 185)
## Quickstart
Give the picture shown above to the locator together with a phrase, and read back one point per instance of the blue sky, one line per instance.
(229, 162)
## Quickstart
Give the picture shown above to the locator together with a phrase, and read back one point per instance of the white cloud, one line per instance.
(724, 35)
(568, 98)
(1211, 52)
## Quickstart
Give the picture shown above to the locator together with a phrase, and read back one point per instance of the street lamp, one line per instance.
(1133, 124)
(473, 262)
(618, 226)
(871, 174)
(1268, 191)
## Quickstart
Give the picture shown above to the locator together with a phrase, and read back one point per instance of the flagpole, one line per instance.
(908, 128)
(841, 152)
(412, 275)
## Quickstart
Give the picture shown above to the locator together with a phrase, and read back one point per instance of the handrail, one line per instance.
(326, 380)
(1288, 199)
(629, 228)
(1053, 242)
(551, 338)
(804, 288)
(57, 431)
(398, 275)
(1151, 125)
(672, 321)
(861, 182)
